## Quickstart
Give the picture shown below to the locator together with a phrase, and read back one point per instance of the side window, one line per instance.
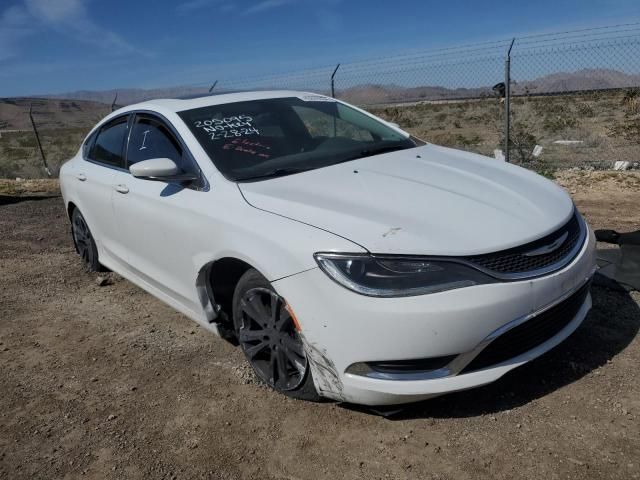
(319, 124)
(86, 146)
(107, 147)
(151, 139)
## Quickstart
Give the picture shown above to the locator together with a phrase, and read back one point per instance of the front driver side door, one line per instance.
(156, 218)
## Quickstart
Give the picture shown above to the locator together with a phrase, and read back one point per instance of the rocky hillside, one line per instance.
(49, 113)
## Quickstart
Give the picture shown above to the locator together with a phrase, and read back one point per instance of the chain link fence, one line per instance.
(573, 98)
(576, 95)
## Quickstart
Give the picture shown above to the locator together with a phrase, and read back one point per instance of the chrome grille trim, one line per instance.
(519, 255)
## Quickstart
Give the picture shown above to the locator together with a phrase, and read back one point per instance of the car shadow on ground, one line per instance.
(609, 327)
(10, 199)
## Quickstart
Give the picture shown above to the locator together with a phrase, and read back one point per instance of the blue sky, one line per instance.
(53, 46)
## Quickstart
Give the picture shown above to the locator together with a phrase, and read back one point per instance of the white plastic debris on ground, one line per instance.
(537, 151)
(498, 155)
(622, 165)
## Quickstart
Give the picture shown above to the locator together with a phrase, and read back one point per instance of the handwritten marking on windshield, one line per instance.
(228, 127)
(247, 146)
(144, 140)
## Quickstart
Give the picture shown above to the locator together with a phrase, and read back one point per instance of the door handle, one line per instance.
(122, 188)
(81, 176)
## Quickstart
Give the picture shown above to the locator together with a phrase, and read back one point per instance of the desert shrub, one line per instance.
(8, 168)
(522, 141)
(545, 106)
(456, 123)
(428, 108)
(398, 115)
(628, 128)
(559, 122)
(26, 141)
(19, 153)
(631, 101)
(446, 139)
(585, 110)
(541, 167)
(476, 118)
(457, 140)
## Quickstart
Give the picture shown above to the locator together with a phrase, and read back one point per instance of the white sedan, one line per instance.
(348, 259)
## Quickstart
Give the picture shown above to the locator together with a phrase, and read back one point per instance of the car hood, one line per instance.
(428, 200)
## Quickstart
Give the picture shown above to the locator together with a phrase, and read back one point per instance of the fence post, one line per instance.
(113, 104)
(333, 90)
(35, 131)
(507, 98)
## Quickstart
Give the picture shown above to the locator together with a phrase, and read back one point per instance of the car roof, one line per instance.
(180, 104)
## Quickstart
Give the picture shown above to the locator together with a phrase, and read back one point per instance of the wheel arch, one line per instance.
(70, 208)
(216, 283)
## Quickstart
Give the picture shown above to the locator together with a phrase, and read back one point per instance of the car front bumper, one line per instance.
(342, 328)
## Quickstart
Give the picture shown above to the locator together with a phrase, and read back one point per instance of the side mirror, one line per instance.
(161, 169)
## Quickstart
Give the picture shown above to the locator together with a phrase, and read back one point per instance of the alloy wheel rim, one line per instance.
(269, 339)
(82, 239)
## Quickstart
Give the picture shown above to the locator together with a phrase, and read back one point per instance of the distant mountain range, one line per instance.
(586, 79)
(85, 108)
(127, 96)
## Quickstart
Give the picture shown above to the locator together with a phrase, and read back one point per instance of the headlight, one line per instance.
(397, 276)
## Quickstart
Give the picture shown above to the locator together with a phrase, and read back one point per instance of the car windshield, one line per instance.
(261, 139)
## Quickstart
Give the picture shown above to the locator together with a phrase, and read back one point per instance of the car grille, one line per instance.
(516, 261)
(529, 334)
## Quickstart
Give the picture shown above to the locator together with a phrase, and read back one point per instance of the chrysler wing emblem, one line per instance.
(548, 248)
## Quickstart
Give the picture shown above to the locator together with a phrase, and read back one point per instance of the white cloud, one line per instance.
(265, 5)
(192, 5)
(251, 7)
(58, 11)
(67, 17)
(13, 29)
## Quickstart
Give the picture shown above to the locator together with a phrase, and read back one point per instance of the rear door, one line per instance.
(157, 220)
(103, 157)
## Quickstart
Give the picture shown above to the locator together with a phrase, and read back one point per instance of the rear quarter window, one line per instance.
(108, 144)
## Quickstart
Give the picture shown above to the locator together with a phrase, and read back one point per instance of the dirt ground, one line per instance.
(107, 382)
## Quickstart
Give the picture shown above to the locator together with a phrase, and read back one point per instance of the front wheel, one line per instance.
(268, 337)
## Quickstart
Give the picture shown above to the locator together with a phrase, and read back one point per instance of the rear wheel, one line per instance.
(84, 243)
(268, 337)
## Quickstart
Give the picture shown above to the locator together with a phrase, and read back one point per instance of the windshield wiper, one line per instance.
(277, 172)
(369, 152)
